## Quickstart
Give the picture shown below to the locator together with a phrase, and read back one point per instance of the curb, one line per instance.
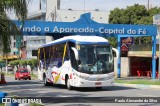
(141, 86)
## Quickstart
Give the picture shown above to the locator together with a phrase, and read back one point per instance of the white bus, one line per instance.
(77, 61)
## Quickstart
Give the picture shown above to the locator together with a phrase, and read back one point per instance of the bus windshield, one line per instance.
(95, 59)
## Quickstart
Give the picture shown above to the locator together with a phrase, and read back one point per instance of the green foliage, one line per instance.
(2, 61)
(136, 14)
(14, 62)
(11, 63)
(7, 27)
(34, 62)
(2, 104)
(29, 62)
(138, 81)
(112, 41)
(23, 62)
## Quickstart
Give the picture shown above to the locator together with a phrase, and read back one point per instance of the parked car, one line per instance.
(10, 68)
(22, 73)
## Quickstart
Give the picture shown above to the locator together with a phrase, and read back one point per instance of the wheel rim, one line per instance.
(45, 80)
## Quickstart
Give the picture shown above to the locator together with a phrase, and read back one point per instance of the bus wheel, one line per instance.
(45, 81)
(69, 87)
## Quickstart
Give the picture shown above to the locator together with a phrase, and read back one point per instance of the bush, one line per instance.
(14, 62)
(23, 62)
(34, 62)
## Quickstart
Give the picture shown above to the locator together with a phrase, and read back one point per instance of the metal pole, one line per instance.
(119, 58)
(154, 57)
(84, 6)
(159, 53)
(6, 64)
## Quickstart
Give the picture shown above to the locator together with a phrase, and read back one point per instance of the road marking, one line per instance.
(65, 96)
(147, 95)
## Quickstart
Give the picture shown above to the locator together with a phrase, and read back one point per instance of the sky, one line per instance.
(102, 5)
(105, 5)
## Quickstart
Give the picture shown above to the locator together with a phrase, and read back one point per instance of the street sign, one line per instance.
(156, 19)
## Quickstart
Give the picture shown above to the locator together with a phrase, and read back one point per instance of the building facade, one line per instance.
(50, 10)
(16, 43)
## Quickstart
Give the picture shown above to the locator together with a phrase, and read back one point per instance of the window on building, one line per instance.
(34, 52)
(24, 43)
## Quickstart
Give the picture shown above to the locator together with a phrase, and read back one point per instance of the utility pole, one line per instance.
(158, 27)
(148, 5)
(84, 6)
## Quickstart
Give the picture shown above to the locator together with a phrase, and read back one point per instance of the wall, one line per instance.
(143, 50)
(125, 66)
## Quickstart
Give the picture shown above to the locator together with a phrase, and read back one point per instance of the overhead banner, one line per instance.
(83, 26)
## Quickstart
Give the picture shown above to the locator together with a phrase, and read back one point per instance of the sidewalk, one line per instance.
(141, 86)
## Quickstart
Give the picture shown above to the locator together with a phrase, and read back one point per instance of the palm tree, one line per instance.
(7, 27)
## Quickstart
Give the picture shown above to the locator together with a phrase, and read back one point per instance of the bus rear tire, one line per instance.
(69, 87)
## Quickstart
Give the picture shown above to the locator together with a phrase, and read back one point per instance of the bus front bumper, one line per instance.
(87, 83)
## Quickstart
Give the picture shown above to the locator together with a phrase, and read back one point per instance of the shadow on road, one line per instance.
(23, 82)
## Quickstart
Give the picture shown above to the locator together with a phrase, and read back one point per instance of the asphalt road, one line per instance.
(106, 96)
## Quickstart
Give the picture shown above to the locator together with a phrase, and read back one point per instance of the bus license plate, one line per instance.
(98, 83)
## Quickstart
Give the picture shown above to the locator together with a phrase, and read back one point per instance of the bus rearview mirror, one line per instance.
(117, 52)
(75, 53)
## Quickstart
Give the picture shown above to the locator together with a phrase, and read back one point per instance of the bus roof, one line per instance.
(79, 39)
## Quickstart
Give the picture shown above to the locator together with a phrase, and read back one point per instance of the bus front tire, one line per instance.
(69, 87)
(45, 82)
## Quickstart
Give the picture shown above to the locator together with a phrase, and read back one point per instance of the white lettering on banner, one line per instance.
(111, 31)
(55, 29)
(142, 31)
(67, 30)
(131, 31)
(46, 29)
(30, 29)
(101, 30)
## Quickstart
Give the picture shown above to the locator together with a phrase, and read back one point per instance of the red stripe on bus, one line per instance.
(71, 76)
(54, 72)
(63, 78)
(49, 80)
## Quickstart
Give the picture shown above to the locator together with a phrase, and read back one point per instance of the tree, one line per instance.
(23, 63)
(15, 63)
(7, 27)
(32, 63)
(136, 14)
